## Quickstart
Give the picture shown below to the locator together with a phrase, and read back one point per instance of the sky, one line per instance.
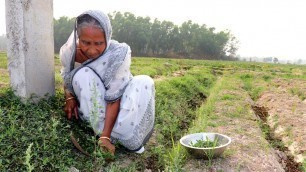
(264, 28)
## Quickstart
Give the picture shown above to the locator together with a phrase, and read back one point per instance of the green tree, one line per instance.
(62, 30)
(160, 38)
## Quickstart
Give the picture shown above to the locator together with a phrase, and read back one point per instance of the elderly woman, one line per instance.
(100, 89)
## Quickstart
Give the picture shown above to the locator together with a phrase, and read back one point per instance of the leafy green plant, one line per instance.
(176, 157)
(201, 143)
(28, 156)
(100, 157)
(207, 143)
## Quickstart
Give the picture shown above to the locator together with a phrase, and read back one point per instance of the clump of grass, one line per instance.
(267, 77)
(176, 156)
(207, 143)
(248, 85)
(299, 92)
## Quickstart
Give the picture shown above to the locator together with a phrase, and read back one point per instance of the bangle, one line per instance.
(69, 98)
(102, 137)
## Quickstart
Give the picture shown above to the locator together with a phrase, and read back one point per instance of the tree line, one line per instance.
(156, 38)
(160, 38)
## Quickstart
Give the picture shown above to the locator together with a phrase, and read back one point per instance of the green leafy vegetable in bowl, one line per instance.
(205, 143)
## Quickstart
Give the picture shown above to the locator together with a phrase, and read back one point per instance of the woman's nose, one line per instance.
(92, 52)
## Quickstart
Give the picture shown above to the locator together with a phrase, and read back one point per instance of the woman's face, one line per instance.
(92, 42)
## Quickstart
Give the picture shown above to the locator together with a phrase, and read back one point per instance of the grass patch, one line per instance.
(299, 92)
(44, 143)
(3, 60)
(37, 136)
(249, 81)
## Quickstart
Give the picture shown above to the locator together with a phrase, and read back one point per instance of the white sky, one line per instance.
(264, 28)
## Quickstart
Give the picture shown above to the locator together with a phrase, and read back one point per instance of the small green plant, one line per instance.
(303, 167)
(28, 157)
(298, 92)
(99, 155)
(175, 157)
(205, 143)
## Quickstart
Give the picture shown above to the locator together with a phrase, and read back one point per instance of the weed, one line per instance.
(267, 77)
(239, 166)
(205, 143)
(303, 166)
(299, 92)
(28, 157)
(100, 157)
(183, 104)
(267, 134)
(228, 97)
(176, 157)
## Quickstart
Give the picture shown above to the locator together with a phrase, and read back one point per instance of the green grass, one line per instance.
(3, 60)
(299, 92)
(45, 127)
(36, 136)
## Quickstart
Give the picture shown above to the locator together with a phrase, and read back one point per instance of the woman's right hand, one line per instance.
(71, 108)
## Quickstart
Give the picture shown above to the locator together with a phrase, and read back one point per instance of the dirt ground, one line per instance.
(287, 115)
(249, 150)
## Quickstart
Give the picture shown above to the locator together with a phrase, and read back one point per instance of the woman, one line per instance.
(100, 89)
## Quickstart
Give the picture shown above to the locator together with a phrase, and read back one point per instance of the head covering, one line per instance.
(104, 21)
(116, 55)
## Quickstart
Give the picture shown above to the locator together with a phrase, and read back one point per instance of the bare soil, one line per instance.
(287, 115)
(249, 151)
(278, 108)
(174, 74)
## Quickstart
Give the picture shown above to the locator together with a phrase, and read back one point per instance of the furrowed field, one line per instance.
(261, 106)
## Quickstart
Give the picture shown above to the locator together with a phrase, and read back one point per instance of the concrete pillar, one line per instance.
(30, 48)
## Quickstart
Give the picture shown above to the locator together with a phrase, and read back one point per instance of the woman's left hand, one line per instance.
(107, 146)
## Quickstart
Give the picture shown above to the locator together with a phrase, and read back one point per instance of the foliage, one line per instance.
(159, 38)
(45, 127)
(299, 92)
(176, 101)
(37, 135)
(205, 143)
(28, 158)
(164, 38)
(62, 30)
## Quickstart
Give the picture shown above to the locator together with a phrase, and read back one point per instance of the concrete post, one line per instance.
(30, 48)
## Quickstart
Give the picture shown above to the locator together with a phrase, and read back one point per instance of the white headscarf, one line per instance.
(113, 66)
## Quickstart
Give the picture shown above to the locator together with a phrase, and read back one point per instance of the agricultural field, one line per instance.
(262, 107)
